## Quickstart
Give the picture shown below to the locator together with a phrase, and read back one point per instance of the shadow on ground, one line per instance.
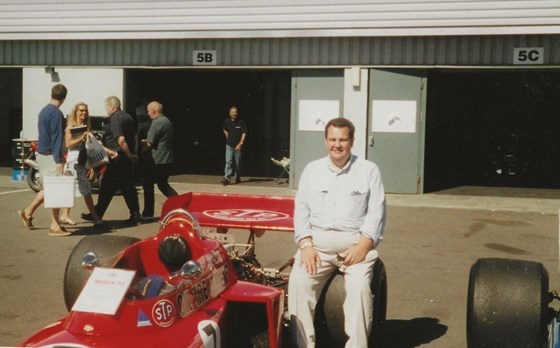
(395, 333)
(400, 333)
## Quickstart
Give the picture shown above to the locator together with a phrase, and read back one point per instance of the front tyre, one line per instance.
(105, 247)
(507, 304)
(34, 179)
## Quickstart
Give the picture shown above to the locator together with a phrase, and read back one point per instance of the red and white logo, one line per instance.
(163, 313)
(246, 215)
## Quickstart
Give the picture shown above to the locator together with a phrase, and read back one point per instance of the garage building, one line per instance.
(443, 93)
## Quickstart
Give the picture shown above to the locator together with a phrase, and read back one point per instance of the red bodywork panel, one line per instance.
(194, 312)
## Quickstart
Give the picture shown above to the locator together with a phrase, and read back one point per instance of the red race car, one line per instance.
(191, 287)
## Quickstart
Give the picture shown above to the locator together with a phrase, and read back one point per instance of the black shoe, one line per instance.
(225, 182)
(87, 217)
(238, 181)
(147, 217)
(134, 219)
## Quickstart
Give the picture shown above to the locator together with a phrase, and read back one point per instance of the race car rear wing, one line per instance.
(253, 212)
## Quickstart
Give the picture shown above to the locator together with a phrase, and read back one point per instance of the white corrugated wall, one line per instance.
(148, 19)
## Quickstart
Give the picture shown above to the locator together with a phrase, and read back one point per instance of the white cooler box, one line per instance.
(60, 190)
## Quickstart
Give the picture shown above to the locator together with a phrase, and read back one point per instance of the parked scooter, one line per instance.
(95, 175)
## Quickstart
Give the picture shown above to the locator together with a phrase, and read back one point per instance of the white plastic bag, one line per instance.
(96, 154)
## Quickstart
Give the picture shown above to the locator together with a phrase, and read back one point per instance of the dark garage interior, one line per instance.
(11, 115)
(197, 102)
(492, 129)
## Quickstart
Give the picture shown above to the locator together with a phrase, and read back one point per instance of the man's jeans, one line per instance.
(231, 155)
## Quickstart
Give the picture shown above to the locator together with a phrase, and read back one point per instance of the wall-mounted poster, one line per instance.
(314, 114)
(393, 116)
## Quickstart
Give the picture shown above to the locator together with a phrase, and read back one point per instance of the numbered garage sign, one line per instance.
(528, 55)
(204, 57)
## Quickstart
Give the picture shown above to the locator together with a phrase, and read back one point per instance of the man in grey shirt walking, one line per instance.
(158, 167)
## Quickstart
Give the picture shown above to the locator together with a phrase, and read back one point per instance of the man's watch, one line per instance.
(305, 245)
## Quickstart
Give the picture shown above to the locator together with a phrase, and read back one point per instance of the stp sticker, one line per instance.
(246, 215)
(163, 313)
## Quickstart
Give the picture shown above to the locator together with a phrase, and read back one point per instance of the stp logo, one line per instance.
(247, 215)
(163, 313)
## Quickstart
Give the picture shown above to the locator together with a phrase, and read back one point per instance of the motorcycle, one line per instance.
(94, 175)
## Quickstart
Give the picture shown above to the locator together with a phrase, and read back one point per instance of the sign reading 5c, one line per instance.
(528, 55)
(204, 57)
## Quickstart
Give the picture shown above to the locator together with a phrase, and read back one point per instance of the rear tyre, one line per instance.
(507, 304)
(329, 317)
(105, 247)
(34, 179)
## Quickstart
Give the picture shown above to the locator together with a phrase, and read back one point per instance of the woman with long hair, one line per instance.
(75, 142)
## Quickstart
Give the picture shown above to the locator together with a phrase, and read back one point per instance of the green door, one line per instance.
(317, 96)
(396, 127)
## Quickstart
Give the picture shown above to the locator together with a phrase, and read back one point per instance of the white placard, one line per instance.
(528, 55)
(314, 114)
(393, 116)
(104, 291)
(204, 57)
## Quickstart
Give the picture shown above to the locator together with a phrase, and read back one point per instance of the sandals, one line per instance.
(59, 232)
(68, 222)
(27, 221)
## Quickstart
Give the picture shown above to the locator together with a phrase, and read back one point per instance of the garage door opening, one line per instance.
(493, 129)
(198, 102)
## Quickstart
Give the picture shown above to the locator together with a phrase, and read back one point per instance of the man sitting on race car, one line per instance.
(339, 219)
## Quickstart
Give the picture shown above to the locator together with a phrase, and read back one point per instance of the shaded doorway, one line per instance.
(494, 128)
(11, 115)
(198, 102)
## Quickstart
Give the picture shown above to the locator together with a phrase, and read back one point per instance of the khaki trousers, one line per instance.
(304, 290)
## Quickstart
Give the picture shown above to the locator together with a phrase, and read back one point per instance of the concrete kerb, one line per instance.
(511, 204)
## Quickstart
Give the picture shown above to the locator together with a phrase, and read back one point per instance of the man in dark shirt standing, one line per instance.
(119, 135)
(49, 157)
(235, 131)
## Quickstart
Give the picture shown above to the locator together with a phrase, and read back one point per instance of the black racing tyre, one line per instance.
(105, 247)
(34, 179)
(329, 316)
(507, 304)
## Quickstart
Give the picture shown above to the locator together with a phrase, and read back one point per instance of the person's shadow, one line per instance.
(402, 333)
(395, 333)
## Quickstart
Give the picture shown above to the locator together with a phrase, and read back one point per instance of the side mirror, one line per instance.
(190, 270)
(90, 260)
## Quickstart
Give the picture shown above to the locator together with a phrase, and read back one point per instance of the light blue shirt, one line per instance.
(331, 199)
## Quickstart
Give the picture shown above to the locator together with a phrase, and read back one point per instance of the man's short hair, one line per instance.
(113, 101)
(155, 106)
(59, 92)
(341, 122)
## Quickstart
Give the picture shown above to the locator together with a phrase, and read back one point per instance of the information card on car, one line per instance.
(104, 291)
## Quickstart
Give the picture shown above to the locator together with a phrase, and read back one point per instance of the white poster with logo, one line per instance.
(393, 116)
(314, 114)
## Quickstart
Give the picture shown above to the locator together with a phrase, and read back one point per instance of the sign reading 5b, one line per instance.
(204, 57)
(528, 55)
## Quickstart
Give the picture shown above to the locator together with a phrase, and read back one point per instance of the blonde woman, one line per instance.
(75, 141)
